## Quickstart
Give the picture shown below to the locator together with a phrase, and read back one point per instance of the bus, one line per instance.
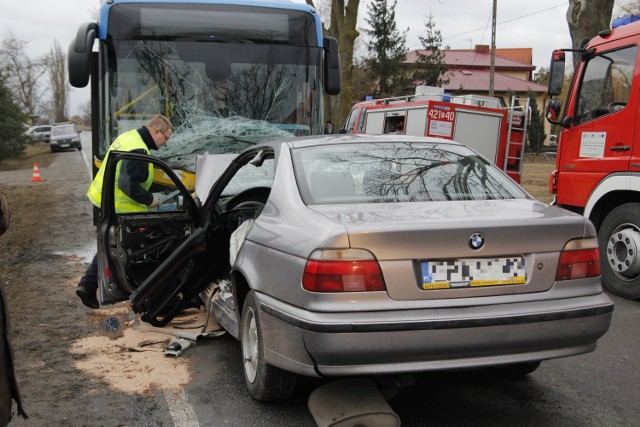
(228, 73)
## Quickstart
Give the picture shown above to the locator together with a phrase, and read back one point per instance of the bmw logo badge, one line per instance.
(476, 241)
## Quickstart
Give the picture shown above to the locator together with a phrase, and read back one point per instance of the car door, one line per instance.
(161, 260)
(603, 119)
(155, 258)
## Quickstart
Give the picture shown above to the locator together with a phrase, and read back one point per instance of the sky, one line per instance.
(540, 25)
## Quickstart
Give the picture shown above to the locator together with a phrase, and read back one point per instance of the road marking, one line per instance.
(86, 162)
(180, 409)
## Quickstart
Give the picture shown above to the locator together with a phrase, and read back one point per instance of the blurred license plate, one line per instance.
(64, 145)
(472, 272)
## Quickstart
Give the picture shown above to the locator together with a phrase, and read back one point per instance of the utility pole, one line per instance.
(492, 69)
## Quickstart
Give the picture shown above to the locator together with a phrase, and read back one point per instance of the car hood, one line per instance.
(443, 229)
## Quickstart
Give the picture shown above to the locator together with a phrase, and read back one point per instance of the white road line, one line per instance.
(180, 409)
(87, 162)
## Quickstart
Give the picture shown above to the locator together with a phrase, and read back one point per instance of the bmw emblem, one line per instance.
(476, 241)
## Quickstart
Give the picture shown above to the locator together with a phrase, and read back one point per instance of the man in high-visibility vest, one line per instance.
(133, 180)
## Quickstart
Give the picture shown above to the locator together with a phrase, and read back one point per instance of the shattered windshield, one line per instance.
(220, 96)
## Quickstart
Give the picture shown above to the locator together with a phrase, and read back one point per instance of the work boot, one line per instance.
(88, 296)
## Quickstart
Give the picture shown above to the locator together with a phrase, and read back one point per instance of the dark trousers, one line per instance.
(90, 277)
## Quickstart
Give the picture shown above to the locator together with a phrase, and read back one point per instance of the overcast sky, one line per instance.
(539, 24)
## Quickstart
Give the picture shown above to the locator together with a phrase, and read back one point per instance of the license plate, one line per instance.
(472, 272)
(64, 145)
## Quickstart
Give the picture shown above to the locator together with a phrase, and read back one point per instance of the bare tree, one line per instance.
(22, 76)
(344, 17)
(586, 18)
(56, 63)
(629, 7)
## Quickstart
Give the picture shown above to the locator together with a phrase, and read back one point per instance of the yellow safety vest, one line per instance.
(128, 141)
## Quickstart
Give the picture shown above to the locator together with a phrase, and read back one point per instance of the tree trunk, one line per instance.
(585, 19)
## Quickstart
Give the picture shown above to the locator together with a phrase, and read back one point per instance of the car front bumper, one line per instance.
(65, 144)
(335, 344)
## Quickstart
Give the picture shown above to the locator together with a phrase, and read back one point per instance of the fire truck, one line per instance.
(496, 131)
(597, 170)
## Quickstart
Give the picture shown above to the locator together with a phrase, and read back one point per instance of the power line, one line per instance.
(506, 21)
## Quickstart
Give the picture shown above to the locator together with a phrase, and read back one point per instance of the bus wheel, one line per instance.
(619, 238)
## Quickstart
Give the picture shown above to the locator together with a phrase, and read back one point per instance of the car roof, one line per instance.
(308, 141)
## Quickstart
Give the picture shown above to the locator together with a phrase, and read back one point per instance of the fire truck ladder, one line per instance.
(519, 115)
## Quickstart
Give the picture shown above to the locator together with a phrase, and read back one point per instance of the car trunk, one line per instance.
(425, 250)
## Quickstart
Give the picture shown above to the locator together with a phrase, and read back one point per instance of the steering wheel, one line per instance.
(616, 106)
(251, 197)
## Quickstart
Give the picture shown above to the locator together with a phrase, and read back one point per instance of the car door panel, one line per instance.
(136, 248)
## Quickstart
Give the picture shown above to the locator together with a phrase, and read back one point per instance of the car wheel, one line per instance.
(619, 239)
(265, 382)
(517, 370)
(80, 148)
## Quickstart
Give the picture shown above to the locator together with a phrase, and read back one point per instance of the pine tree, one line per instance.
(12, 128)
(386, 49)
(535, 131)
(430, 65)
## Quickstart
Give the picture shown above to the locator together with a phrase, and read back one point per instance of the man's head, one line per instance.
(161, 129)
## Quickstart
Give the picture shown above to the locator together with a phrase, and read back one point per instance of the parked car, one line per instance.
(361, 255)
(64, 136)
(39, 133)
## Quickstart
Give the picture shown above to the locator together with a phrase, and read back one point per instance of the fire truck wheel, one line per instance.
(619, 238)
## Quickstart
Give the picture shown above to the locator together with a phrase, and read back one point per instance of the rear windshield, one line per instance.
(398, 172)
(64, 130)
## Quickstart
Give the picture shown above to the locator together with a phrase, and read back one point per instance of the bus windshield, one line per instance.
(222, 90)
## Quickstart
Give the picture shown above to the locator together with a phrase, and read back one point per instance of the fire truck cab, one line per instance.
(598, 158)
(483, 123)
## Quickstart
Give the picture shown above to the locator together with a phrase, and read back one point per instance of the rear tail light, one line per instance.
(553, 182)
(342, 270)
(579, 259)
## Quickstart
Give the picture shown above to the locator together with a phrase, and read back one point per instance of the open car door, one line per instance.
(160, 258)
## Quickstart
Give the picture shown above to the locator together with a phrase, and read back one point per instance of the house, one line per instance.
(469, 73)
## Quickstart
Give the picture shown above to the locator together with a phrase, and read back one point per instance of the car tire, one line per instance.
(619, 240)
(517, 370)
(80, 148)
(265, 382)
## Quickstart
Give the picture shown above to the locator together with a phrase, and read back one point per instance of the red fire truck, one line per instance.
(598, 160)
(483, 123)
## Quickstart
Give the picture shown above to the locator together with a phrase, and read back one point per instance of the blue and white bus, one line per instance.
(228, 73)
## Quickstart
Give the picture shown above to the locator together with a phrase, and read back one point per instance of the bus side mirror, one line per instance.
(331, 66)
(79, 54)
(556, 73)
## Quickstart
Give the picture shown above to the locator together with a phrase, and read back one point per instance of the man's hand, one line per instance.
(155, 203)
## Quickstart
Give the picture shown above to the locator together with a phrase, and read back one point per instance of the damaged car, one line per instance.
(359, 255)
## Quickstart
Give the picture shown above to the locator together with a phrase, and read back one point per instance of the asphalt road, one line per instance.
(596, 389)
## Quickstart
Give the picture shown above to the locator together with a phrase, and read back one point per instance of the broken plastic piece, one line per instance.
(177, 346)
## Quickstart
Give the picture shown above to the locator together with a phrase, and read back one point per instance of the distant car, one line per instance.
(39, 133)
(361, 255)
(64, 136)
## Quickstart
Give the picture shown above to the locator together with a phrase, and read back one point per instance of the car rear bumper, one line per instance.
(334, 344)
